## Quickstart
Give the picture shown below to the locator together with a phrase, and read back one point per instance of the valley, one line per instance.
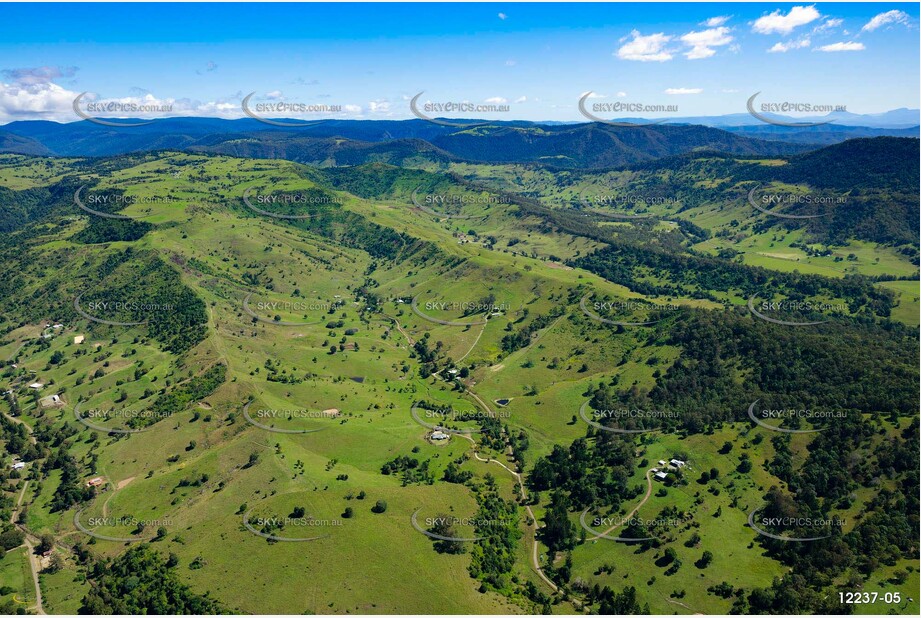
(266, 371)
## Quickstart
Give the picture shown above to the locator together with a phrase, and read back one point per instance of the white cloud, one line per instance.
(503, 16)
(649, 48)
(593, 95)
(683, 90)
(784, 47)
(828, 25)
(883, 19)
(496, 100)
(621, 94)
(31, 93)
(784, 24)
(702, 42)
(511, 63)
(714, 22)
(38, 100)
(38, 75)
(380, 106)
(842, 46)
(729, 90)
(521, 99)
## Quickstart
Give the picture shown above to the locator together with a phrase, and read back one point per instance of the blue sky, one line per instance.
(538, 59)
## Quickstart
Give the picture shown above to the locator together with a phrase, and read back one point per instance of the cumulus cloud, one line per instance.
(31, 93)
(521, 99)
(496, 100)
(843, 46)
(649, 48)
(683, 90)
(380, 106)
(48, 101)
(503, 16)
(884, 19)
(714, 22)
(702, 42)
(778, 22)
(784, 47)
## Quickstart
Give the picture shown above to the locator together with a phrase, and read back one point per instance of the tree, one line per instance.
(379, 507)
(46, 543)
(558, 533)
(745, 465)
(11, 538)
(705, 560)
(443, 527)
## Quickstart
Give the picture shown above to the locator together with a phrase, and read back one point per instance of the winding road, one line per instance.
(535, 558)
(635, 509)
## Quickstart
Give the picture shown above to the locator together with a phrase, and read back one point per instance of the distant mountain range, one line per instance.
(349, 142)
(398, 142)
(901, 118)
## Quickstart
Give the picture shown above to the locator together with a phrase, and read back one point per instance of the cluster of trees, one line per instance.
(654, 272)
(176, 400)
(101, 230)
(522, 337)
(178, 319)
(590, 472)
(141, 581)
(847, 457)
(20, 208)
(492, 558)
(410, 469)
(728, 360)
(71, 490)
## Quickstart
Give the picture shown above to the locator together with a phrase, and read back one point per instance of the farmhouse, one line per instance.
(439, 435)
(661, 476)
(661, 462)
(19, 465)
(36, 385)
(677, 463)
(95, 481)
(79, 339)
